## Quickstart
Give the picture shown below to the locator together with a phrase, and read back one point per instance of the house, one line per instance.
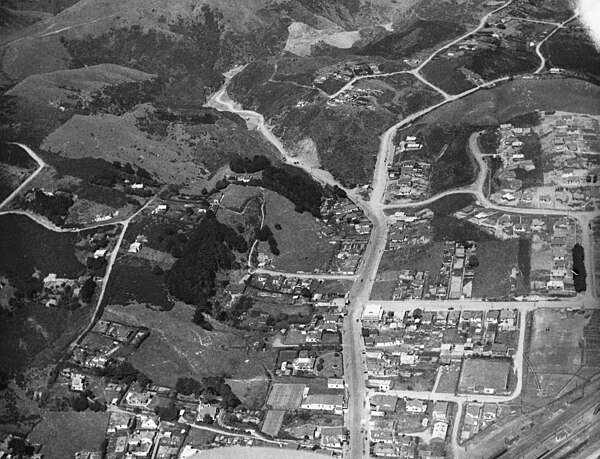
(332, 437)
(384, 403)
(140, 444)
(507, 320)
(439, 432)
(148, 422)
(335, 383)
(160, 208)
(415, 406)
(120, 421)
(137, 186)
(382, 385)
(372, 314)
(490, 411)
(100, 253)
(440, 410)
(303, 362)
(78, 382)
(135, 247)
(323, 402)
(204, 410)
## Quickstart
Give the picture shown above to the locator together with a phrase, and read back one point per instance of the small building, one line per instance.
(440, 411)
(135, 247)
(332, 437)
(384, 403)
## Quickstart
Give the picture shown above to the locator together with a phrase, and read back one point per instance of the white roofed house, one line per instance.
(372, 314)
(323, 402)
(415, 406)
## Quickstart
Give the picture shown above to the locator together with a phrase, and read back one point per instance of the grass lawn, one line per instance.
(177, 347)
(62, 434)
(301, 246)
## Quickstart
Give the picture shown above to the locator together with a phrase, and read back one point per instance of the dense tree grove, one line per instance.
(52, 206)
(207, 251)
(249, 166)
(579, 273)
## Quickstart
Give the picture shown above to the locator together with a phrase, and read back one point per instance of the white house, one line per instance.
(440, 429)
(323, 402)
(335, 383)
(415, 406)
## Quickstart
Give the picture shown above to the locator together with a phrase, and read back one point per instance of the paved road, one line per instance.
(26, 182)
(538, 48)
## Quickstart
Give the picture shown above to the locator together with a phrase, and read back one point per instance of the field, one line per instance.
(177, 347)
(272, 423)
(62, 434)
(554, 346)
(448, 380)
(496, 260)
(286, 396)
(419, 258)
(301, 246)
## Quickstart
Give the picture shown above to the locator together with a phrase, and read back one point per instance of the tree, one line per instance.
(579, 272)
(189, 386)
(79, 403)
(167, 413)
(87, 290)
(207, 419)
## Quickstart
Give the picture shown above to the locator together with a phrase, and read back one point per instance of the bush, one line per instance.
(579, 272)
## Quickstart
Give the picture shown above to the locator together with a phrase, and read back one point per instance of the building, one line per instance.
(303, 362)
(439, 432)
(484, 376)
(440, 410)
(384, 403)
(323, 402)
(415, 406)
(332, 437)
(335, 383)
(372, 314)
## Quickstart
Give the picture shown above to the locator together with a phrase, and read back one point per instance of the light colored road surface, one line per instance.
(26, 182)
(538, 48)
(305, 275)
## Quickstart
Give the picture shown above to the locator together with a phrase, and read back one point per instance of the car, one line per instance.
(450, 308)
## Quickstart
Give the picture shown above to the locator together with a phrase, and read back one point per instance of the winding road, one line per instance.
(26, 182)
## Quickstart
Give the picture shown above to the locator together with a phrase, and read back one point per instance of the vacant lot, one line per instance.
(496, 260)
(236, 197)
(419, 258)
(383, 290)
(62, 434)
(177, 347)
(448, 379)
(302, 247)
(554, 345)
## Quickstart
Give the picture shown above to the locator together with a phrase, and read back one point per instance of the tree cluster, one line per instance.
(208, 250)
(265, 234)
(210, 386)
(242, 165)
(579, 272)
(52, 206)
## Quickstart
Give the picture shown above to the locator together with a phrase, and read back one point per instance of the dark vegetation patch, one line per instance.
(162, 234)
(499, 62)
(133, 280)
(14, 155)
(289, 181)
(526, 120)
(26, 246)
(455, 167)
(55, 207)
(572, 49)
(524, 263)
(415, 37)
(209, 250)
(492, 275)
(579, 272)
(445, 74)
(489, 141)
(32, 330)
(347, 139)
